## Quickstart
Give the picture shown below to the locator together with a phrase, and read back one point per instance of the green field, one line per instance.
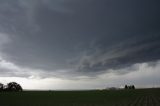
(141, 97)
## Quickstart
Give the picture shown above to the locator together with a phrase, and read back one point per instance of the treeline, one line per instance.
(12, 86)
(129, 87)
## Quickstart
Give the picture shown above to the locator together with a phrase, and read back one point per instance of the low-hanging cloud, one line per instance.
(124, 54)
(143, 75)
(78, 38)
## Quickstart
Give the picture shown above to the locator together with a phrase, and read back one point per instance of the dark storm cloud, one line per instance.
(122, 55)
(84, 36)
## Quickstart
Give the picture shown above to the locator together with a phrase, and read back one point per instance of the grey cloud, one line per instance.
(122, 55)
(58, 5)
(87, 36)
(8, 69)
(15, 18)
(4, 39)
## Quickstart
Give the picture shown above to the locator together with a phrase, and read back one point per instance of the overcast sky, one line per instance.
(80, 44)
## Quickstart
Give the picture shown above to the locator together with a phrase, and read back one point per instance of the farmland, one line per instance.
(139, 97)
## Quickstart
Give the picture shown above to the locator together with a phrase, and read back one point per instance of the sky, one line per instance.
(80, 44)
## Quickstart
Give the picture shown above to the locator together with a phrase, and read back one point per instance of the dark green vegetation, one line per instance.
(141, 97)
(12, 86)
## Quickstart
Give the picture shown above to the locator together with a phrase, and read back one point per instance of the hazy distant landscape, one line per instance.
(139, 97)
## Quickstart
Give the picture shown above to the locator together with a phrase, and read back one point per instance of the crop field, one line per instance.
(139, 97)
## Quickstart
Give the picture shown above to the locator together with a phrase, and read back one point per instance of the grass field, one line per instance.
(141, 97)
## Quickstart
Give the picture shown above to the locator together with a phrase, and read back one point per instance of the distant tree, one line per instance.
(133, 87)
(13, 86)
(129, 87)
(126, 87)
(1, 87)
